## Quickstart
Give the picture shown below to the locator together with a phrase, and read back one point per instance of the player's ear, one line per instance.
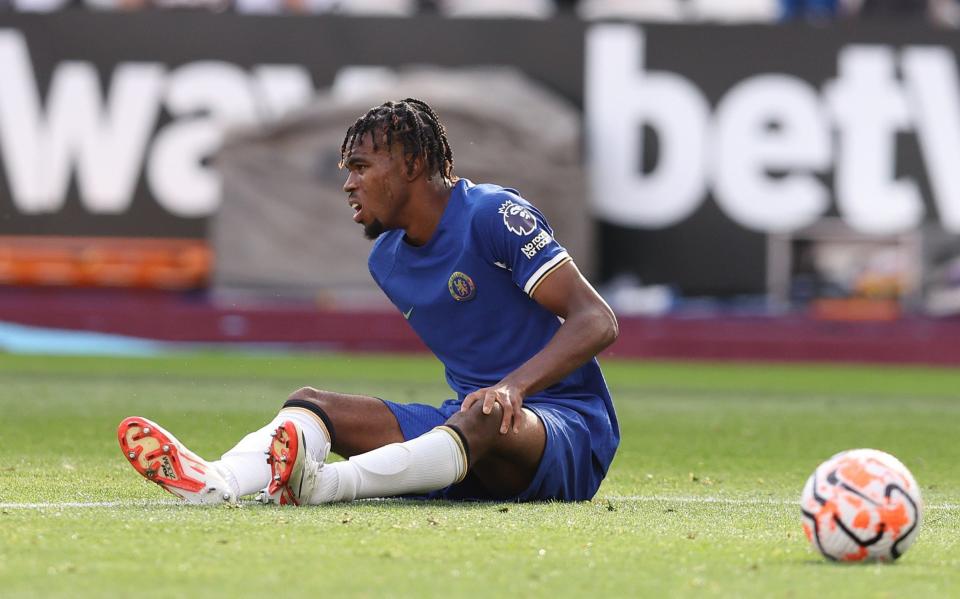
(416, 164)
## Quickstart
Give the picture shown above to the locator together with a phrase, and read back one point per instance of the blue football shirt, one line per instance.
(467, 294)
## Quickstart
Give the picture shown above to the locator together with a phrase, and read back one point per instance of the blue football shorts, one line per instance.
(568, 470)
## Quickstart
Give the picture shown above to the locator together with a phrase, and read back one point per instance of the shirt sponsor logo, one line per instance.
(536, 244)
(461, 287)
(517, 219)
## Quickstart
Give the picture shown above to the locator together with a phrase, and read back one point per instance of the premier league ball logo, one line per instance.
(517, 219)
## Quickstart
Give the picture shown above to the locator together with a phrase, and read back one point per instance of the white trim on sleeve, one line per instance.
(541, 272)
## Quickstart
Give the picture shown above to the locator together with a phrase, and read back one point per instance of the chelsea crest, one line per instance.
(461, 287)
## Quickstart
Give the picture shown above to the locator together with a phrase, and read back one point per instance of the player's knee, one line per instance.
(480, 430)
(474, 418)
(325, 400)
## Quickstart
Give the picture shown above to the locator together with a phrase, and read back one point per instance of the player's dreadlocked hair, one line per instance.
(414, 124)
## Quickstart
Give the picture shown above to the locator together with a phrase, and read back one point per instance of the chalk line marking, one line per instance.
(684, 499)
(88, 504)
(740, 501)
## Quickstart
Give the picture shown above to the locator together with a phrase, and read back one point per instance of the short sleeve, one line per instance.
(515, 236)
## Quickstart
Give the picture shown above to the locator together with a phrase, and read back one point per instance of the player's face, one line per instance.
(375, 186)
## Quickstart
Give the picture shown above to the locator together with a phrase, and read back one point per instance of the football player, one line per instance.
(476, 271)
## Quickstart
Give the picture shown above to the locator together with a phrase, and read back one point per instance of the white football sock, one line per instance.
(432, 461)
(245, 466)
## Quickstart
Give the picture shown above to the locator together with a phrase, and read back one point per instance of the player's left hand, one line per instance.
(510, 399)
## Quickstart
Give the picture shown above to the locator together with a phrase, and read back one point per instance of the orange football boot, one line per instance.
(293, 472)
(161, 458)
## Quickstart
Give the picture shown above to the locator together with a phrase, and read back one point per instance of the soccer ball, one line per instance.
(861, 505)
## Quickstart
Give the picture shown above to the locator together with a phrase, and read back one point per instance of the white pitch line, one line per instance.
(735, 501)
(88, 504)
(696, 499)
(638, 498)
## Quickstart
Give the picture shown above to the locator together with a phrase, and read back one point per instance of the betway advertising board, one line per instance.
(705, 140)
(700, 140)
(107, 122)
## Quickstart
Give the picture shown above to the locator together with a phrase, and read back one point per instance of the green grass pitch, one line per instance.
(701, 500)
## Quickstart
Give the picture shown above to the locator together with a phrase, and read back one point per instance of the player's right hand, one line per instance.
(509, 398)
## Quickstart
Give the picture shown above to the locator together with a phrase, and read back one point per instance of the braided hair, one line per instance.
(412, 123)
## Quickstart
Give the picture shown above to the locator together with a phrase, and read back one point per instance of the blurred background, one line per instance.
(741, 179)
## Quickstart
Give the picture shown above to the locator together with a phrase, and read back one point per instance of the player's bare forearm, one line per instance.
(583, 335)
(589, 326)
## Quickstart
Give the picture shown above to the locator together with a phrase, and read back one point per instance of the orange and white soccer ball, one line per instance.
(861, 505)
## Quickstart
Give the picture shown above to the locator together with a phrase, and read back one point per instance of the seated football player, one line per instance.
(476, 271)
